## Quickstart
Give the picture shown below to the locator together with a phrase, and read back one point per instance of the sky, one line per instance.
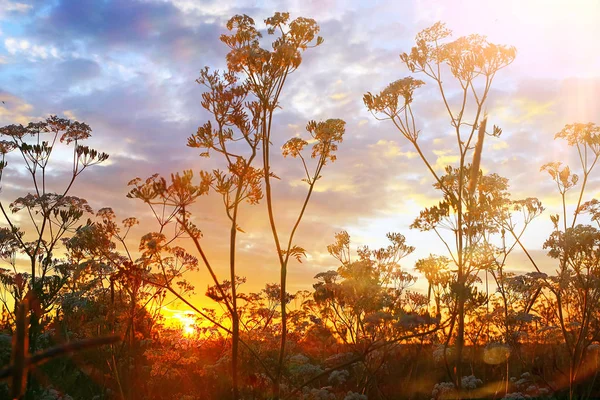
(128, 69)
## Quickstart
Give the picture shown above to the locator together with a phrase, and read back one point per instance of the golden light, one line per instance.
(183, 319)
(187, 322)
(188, 330)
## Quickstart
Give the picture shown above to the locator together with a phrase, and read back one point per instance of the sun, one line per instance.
(187, 322)
(182, 319)
(188, 330)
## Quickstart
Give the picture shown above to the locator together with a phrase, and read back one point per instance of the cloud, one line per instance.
(128, 68)
(390, 149)
(33, 52)
(10, 8)
(79, 69)
(14, 109)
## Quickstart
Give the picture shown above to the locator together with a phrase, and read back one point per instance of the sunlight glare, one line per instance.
(183, 319)
(187, 323)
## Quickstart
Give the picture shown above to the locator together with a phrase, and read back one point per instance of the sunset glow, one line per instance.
(336, 200)
(181, 319)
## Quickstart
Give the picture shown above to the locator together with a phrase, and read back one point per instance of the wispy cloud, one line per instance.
(128, 69)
